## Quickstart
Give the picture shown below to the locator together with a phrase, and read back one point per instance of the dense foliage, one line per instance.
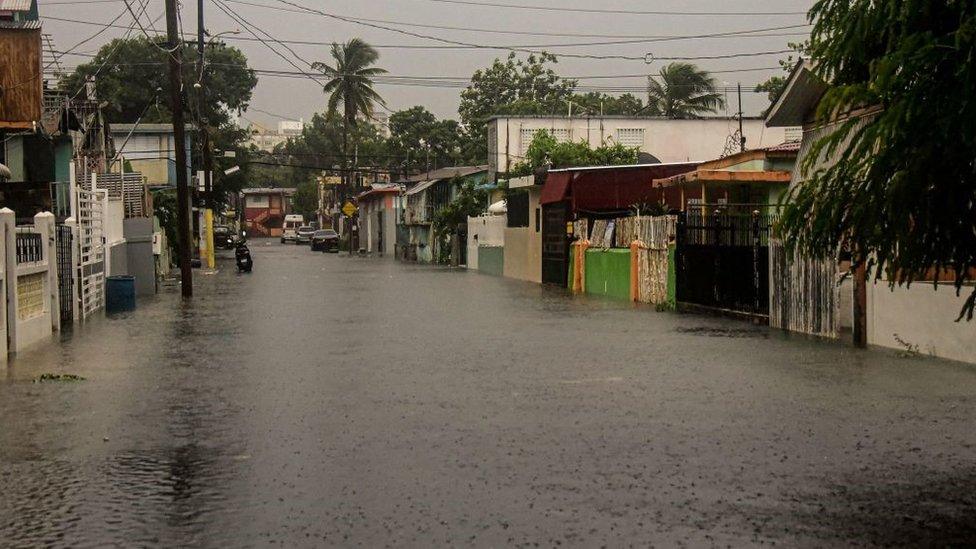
(902, 193)
(546, 151)
(418, 141)
(229, 84)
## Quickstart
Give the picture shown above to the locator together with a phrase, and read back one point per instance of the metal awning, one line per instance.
(556, 187)
(420, 187)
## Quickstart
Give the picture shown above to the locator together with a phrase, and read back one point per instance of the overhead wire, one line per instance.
(619, 11)
(637, 38)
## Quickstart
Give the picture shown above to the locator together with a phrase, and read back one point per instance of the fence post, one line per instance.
(9, 221)
(72, 224)
(44, 224)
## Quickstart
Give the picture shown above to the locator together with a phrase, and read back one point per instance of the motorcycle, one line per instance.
(243, 257)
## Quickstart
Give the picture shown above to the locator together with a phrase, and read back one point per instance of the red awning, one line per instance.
(556, 187)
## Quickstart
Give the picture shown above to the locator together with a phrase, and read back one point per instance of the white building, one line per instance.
(660, 139)
(266, 139)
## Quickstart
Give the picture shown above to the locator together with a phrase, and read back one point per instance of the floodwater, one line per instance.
(329, 401)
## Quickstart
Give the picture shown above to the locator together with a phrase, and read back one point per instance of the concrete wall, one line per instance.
(491, 260)
(523, 245)
(923, 316)
(668, 140)
(32, 306)
(485, 230)
(140, 260)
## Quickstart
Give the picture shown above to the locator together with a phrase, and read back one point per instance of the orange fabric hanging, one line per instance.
(579, 266)
(635, 247)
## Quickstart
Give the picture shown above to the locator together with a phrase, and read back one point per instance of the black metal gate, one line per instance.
(555, 243)
(722, 261)
(65, 243)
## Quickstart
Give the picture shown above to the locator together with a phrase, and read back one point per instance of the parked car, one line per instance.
(289, 230)
(325, 240)
(304, 234)
(224, 238)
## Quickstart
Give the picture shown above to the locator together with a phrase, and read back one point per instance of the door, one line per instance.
(379, 233)
(555, 243)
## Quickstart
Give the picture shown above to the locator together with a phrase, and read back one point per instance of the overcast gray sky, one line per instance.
(300, 98)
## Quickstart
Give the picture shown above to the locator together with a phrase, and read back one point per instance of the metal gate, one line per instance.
(91, 251)
(555, 243)
(66, 278)
(722, 261)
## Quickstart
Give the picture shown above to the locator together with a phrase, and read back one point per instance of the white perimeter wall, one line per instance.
(489, 230)
(923, 316)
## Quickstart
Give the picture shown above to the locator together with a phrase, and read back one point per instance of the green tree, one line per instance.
(774, 85)
(902, 192)
(683, 91)
(415, 132)
(511, 87)
(133, 83)
(351, 84)
(305, 201)
(595, 103)
(546, 151)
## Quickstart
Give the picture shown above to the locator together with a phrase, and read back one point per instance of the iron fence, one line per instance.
(29, 245)
(65, 244)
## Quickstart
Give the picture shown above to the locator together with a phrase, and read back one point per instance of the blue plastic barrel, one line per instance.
(120, 293)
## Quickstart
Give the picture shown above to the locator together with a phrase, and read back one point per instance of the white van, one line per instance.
(289, 231)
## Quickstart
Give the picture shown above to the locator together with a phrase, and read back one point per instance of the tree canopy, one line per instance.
(546, 150)
(683, 91)
(416, 130)
(351, 79)
(131, 77)
(902, 192)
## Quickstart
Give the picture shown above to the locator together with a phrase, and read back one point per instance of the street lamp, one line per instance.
(198, 84)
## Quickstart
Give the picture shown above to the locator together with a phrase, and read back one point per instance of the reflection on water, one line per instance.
(324, 400)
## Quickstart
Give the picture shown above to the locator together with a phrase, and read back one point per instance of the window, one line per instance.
(256, 201)
(793, 134)
(527, 134)
(630, 137)
(518, 209)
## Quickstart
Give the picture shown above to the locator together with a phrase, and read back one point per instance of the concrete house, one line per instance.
(379, 211)
(659, 139)
(150, 149)
(265, 210)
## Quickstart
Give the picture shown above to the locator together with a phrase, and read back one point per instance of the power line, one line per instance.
(620, 11)
(511, 32)
(644, 58)
(630, 39)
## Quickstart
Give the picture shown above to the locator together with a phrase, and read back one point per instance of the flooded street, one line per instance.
(323, 400)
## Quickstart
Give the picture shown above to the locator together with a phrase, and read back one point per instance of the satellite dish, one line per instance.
(647, 158)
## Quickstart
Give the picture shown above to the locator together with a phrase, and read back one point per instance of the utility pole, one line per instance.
(179, 139)
(205, 143)
(742, 137)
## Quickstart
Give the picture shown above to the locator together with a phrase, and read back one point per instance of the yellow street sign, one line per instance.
(329, 180)
(349, 209)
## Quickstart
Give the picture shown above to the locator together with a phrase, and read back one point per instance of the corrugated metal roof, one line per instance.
(421, 187)
(789, 146)
(15, 5)
(20, 25)
(446, 173)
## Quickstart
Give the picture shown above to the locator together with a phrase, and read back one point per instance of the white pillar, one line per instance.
(9, 221)
(44, 224)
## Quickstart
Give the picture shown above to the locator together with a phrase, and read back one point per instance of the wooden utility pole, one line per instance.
(179, 139)
(742, 137)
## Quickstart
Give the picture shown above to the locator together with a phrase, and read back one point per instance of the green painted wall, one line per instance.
(62, 160)
(491, 260)
(608, 273)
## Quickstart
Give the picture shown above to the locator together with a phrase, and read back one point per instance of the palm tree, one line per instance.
(351, 83)
(684, 91)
